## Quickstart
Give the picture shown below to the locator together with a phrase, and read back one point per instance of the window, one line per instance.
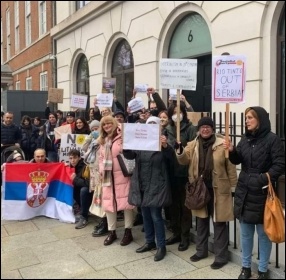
(18, 85)
(1, 41)
(28, 22)
(8, 33)
(17, 34)
(82, 80)
(42, 17)
(80, 4)
(29, 83)
(44, 81)
(123, 71)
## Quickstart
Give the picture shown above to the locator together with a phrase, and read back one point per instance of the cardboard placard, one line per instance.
(56, 95)
(194, 117)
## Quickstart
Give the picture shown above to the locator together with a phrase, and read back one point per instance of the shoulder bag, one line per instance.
(197, 194)
(127, 165)
(274, 218)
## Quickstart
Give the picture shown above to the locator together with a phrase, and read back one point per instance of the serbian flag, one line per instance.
(37, 189)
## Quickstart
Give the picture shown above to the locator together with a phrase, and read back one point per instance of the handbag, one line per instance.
(274, 218)
(197, 194)
(86, 172)
(96, 204)
(127, 165)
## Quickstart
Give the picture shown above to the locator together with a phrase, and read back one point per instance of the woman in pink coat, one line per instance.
(115, 187)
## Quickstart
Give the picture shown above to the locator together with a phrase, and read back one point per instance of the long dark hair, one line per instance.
(85, 129)
(171, 110)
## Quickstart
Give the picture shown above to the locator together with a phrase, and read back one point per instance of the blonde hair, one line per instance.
(102, 133)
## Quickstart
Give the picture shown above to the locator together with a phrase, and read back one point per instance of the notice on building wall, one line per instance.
(78, 101)
(143, 137)
(178, 74)
(69, 142)
(228, 79)
(56, 95)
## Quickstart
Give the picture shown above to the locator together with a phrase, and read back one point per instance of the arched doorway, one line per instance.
(191, 39)
(123, 71)
(82, 81)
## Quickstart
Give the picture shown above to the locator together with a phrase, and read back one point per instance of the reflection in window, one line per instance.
(123, 71)
(80, 4)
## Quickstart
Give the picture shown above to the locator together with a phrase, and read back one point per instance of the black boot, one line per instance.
(161, 253)
(101, 229)
(127, 238)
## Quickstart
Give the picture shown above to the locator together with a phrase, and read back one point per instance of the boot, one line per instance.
(110, 238)
(101, 229)
(262, 275)
(161, 253)
(127, 238)
(245, 273)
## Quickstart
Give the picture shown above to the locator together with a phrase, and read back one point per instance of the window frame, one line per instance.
(28, 23)
(29, 83)
(45, 76)
(42, 17)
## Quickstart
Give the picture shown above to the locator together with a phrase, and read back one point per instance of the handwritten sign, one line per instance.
(104, 99)
(141, 87)
(144, 137)
(228, 78)
(178, 74)
(135, 104)
(108, 85)
(172, 94)
(69, 142)
(56, 95)
(64, 129)
(78, 101)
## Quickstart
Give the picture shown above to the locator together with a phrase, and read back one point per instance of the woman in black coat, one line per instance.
(258, 152)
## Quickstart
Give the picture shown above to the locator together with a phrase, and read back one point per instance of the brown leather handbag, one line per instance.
(274, 218)
(197, 194)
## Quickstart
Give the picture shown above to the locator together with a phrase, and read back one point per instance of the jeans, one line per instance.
(84, 198)
(154, 225)
(246, 240)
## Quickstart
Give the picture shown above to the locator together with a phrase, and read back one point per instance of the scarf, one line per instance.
(107, 164)
(206, 164)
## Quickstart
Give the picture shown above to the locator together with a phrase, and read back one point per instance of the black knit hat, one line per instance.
(206, 121)
(71, 114)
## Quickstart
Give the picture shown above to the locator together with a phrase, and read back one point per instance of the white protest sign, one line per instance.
(63, 129)
(144, 137)
(104, 99)
(141, 87)
(178, 73)
(135, 104)
(173, 94)
(78, 101)
(69, 142)
(228, 79)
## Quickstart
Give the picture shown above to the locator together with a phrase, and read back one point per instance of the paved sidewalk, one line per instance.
(46, 248)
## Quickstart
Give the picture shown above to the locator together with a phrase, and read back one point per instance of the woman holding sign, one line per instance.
(115, 187)
(151, 190)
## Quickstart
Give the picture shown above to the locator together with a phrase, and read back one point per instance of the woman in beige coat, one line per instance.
(206, 155)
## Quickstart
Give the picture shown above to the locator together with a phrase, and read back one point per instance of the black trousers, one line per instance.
(220, 236)
(181, 216)
(84, 198)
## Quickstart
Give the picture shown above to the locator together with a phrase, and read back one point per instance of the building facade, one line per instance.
(26, 45)
(126, 40)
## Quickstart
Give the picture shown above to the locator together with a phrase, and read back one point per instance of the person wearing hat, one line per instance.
(205, 156)
(119, 116)
(70, 119)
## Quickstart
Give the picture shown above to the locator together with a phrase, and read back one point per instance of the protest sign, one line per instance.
(56, 95)
(69, 142)
(108, 85)
(61, 130)
(141, 87)
(135, 104)
(173, 94)
(78, 101)
(104, 99)
(178, 74)
(144, 137)
(228, 78)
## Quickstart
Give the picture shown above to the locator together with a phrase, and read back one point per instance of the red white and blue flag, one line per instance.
(37, 189)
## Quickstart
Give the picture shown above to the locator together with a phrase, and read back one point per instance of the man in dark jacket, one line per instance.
(81, 193)
(10, 133)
